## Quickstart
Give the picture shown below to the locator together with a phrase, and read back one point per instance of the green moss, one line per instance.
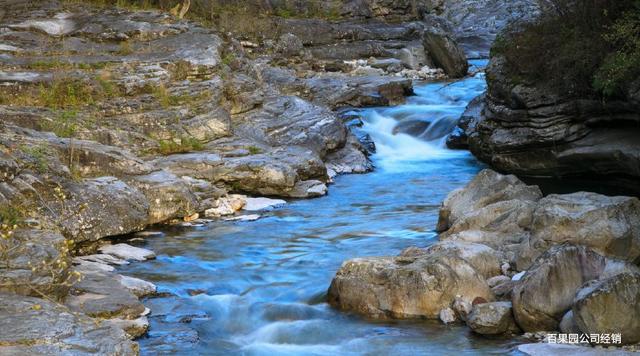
(10, 215)
(254, 150)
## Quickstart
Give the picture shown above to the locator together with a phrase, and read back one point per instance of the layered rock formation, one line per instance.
(529, 130)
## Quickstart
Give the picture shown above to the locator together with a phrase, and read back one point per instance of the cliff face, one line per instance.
(529, 130)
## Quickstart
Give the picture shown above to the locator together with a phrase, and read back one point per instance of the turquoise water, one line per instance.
(259, 288)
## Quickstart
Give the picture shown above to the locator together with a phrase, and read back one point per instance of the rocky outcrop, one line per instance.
(413, 285)
(475, 24)
(527, 129)
(502, 212)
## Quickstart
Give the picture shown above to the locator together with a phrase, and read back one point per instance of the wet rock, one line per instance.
(128, 252)
(33, 326)
(308, 189)
(25, 253)
(353, 158)
(445, 52)
(530, 130)
(610, 305)
(546, 291)
(492, 319)
(609, 225)
(405, 287)
(139, 287)
(257, 204)
(134, 328)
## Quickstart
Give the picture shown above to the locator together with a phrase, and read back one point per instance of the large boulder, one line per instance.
(609, 225)
(445, 52)
(610, 306)
(492, 319)
(547, 290)
(493, 209)
(406, 287)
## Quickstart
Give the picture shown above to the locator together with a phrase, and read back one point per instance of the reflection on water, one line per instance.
(259, 287)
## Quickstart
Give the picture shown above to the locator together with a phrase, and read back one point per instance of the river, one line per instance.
(259, 288)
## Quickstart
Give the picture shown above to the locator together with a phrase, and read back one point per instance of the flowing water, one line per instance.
(259, 288)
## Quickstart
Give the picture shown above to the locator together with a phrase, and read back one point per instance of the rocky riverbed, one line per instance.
(117, 119)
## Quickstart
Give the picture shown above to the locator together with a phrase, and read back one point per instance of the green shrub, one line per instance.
(581, 48)
(183, 144)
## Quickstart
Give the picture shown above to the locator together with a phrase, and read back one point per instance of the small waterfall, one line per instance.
(416, 131)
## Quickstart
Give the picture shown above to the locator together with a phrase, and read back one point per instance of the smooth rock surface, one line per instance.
(492, 319)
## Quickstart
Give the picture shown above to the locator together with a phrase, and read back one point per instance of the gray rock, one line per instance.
(127, 252)
(610, 305)
(139, 287)
(102, 295)
(492, 319)
(33, 326)
(445, 52)
(528, 130)
(257, 204)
